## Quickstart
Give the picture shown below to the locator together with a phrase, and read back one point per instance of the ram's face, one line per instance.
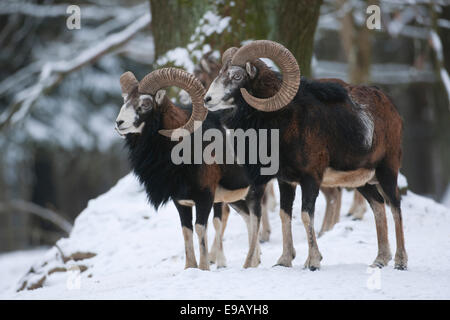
(222, 90)
(132, 115)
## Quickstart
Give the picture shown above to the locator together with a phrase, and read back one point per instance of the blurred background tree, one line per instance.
(60, 94)
(200, 25)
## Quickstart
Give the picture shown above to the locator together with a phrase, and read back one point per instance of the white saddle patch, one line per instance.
(222, 195)
(348, 179)
(227, 196)
(187, 203)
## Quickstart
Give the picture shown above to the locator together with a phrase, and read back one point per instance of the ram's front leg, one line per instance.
(186, 225)
(287, 196)
(203, 208)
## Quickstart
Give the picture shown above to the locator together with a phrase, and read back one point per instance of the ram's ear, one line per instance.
(251, 70)
(160, 97)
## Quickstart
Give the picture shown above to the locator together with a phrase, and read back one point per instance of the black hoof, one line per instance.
(400, 267)
(378, 265)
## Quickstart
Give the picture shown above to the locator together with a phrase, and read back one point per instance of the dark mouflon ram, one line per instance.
(332, 134)
(206, 71)
(147, 120)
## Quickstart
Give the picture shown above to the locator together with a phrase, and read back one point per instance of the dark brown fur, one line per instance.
(330, 134)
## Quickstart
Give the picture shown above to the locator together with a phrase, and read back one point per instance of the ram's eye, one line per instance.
(237, 76)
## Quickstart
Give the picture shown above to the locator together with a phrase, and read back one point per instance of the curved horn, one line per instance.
(228, 54)
(166, 77)
(128, 82)
(288, 66)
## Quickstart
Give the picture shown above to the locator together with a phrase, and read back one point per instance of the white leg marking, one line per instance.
(288, 246)
(314, 256)
(384, 252)
(203, 245)
(191, 262)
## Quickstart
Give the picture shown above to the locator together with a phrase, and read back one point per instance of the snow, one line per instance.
(446, 197)
(186, 58)
(13, 266)
(211, 22)
(179, 57)
(140, 255)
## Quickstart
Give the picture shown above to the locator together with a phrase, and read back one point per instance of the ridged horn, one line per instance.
(128, 82)
(167, 77)
(228, 54)
(288, 66)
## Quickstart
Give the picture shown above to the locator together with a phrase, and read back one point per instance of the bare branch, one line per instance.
(379, 73)
(91, 12)
(44, 213)
(53, 72)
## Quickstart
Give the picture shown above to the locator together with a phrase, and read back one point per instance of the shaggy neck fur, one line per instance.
(267, 82)
(172, 116)
(149, 154)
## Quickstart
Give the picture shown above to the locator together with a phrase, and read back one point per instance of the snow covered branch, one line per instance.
(91, 12)
(436, 44)
(52, 73)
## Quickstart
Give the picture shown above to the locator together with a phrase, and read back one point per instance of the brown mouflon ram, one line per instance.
(330, 136)
(206, 71)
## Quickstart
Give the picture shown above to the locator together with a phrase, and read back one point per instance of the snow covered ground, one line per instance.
(140, 255)
(14, 265)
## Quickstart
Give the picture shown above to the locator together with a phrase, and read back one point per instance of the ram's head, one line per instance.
(142, 98)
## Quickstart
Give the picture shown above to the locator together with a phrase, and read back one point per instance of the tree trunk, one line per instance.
(174, 21)
(292, 23)
(356, 41)
(297, 22)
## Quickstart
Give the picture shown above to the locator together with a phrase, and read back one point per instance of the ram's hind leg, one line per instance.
(358, 207)
(287, 196)
(388, 183)
(216, 255)
(242, 209)
(333, 208)
(186, 225)
(376, 202)
(253, 201)
(310, 191)
(203, 208)
(265, 228)
(268, 204)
